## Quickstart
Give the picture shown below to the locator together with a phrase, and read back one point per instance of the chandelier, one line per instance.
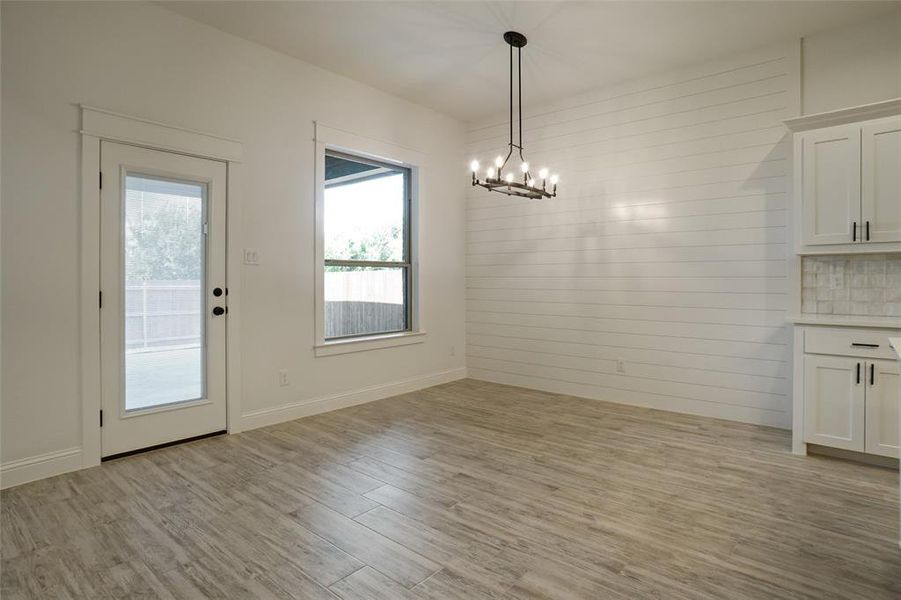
(497, 177)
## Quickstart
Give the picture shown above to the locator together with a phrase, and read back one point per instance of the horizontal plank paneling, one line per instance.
(650, 269)
(666, 248)
(663, 401)
(754, 383)
(704, 331)
(721, 237)
(741, 285)
(645, 210)
(601, 350)
(630, 312)
(713, 346)
(643, 93)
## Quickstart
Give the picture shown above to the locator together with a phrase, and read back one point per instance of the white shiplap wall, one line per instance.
(667, 247)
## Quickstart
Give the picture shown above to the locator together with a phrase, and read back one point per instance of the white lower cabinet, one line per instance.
(850, 402)
(883, 384)
(834, 402)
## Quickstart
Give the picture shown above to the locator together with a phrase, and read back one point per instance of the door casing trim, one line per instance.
(99, 125)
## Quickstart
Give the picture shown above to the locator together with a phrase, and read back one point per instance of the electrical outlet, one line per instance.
(620, 365)
(251, 256)
(283, 377)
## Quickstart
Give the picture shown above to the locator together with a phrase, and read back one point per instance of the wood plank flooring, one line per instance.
(467, 490)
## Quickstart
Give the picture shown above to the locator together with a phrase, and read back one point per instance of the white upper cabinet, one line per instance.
(848, 179)
(881, 180)
(831, 185)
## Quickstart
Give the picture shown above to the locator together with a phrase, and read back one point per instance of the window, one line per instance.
(367, 283)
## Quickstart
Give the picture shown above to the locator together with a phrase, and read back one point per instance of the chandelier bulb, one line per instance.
(509, 177)
(474, 166)
(531, 183)
(542, 174)
(554, 179)
(499, 162)
(490, 172)
(524, 167)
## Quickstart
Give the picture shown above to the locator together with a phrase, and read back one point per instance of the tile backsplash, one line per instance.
(867, 284)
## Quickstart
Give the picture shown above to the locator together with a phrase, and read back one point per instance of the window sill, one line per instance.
(375, 342)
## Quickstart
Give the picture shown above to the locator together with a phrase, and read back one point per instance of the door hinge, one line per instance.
(100, 299)
(101, 418)
(100, 180)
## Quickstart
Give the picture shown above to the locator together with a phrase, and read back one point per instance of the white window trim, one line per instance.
(329, 138)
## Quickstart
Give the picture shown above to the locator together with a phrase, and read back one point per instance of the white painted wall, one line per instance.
(852, 65)
(667, 246)
(140, 59)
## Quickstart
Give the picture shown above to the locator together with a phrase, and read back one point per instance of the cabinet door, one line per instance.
(834, 401)
(831, 185)
(883, 391)
(881, 180)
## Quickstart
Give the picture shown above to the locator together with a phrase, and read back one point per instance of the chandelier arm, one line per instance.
(506, 159)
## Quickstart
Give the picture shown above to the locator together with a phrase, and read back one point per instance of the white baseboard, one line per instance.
(753, 416)
(271, 416)
(46, 465)
(33, 468)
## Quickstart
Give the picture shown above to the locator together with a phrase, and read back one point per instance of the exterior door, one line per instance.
(831, 185)
(882, 407)
(834, 401)
(162, 315)
(881, 183)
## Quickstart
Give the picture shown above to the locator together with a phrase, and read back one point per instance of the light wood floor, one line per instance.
(464, 491)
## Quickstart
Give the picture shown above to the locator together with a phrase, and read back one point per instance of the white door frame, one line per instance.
(97, 125)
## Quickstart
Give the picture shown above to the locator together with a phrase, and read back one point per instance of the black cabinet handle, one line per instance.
(854, 231)
(858, 373)
(868, 231)
(872, 374)
(861, 345)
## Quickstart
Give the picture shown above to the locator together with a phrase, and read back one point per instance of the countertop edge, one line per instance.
(896, 345)
(848, 321)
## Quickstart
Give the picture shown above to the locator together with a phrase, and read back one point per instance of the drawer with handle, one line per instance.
(848, 342)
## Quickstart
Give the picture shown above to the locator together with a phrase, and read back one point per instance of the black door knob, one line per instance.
(218, 311)
(217, 292)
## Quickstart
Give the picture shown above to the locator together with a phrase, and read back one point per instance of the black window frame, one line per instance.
(406, 265)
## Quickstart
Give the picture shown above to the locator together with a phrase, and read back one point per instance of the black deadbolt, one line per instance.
(218, 311)
(217, 292)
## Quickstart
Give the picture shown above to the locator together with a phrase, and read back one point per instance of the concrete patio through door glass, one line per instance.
(157, 376)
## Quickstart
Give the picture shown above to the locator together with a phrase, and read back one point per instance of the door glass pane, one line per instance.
(164, 263)
(364, 300)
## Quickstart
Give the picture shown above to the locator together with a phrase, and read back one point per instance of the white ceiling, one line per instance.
(450, 55)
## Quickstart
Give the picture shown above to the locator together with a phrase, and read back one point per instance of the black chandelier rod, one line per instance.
(519, 101)
(519, 82)
(511, 104)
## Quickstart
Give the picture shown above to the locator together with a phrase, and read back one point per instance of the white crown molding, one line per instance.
(864, 112)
